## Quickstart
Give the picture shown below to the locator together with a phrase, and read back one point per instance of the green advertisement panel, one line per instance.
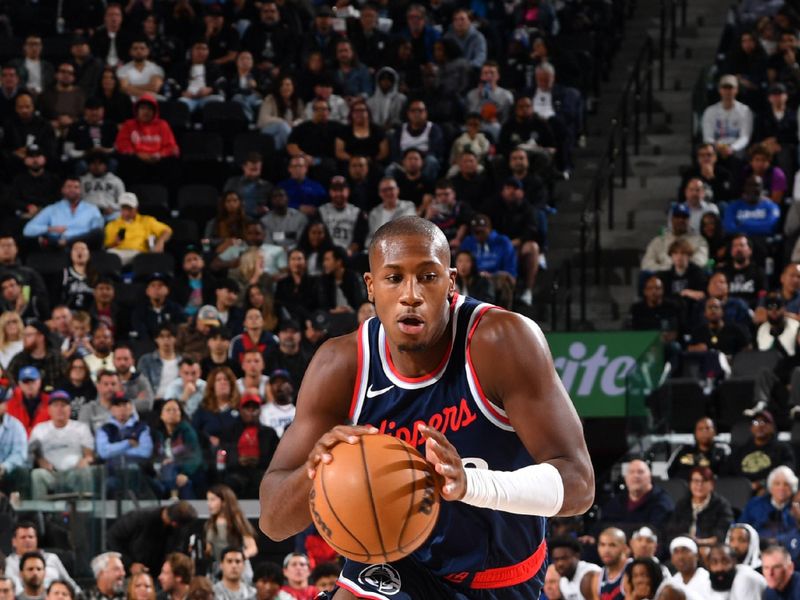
(608, 374)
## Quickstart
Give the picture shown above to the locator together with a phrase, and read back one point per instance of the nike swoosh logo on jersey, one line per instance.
(372, 393)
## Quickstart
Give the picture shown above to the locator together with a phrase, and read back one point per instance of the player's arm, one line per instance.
(322, 412)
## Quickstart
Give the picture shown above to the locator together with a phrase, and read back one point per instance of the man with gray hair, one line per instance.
(6, 588)
(109, 577)
(560, 106)
(778, 569)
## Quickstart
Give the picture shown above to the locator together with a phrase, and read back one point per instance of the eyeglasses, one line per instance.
(387, 189)
(695, 480)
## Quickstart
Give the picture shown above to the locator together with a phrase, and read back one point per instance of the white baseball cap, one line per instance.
(128, 199)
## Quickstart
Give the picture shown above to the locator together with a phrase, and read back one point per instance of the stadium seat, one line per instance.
(749, 363)
(56, 49)
(226, 118)
(198, 203)
(202, 157)
(736, 490)
(176, 114)
(106, 263)
(129, 295)
(184, 233)
(740, 432)
(148, 263)
(675, 488)
(47, 263)
(734, 395)
(153, 200)
(685, 403)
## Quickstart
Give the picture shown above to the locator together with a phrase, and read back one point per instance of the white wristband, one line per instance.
(534, 490)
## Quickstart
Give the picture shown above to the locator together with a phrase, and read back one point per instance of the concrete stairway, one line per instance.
(653, 174)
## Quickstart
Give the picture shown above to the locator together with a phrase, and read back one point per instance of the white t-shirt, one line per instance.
(262, 386)
(169, 373)
(277, 416)
(699, 583)
(62, 446)
(112, 58)
(197, 79)
(747, 585)
(140, 78)
(571, 588)
(274, 258)
(543, 104)
(732, 127)
(379, 216)
(34, 69)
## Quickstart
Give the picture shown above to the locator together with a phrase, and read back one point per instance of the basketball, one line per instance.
(377, 501)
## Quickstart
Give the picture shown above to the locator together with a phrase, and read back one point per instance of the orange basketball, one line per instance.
(377, 501)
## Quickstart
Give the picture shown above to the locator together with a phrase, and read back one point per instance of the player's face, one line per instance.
(739, 542)
(411, 283)
(611, 549)
(565, 561)
(684, 560)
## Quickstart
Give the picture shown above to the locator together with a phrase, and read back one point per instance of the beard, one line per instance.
(722, 581)
(418, 347)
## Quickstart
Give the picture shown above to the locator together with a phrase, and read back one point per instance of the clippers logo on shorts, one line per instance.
(383, 578)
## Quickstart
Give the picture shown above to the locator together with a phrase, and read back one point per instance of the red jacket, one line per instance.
(155, 137)
(16, 408)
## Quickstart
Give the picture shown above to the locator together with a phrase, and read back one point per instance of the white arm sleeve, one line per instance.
(535, 490)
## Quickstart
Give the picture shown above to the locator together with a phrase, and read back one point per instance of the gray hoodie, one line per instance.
(386, 109)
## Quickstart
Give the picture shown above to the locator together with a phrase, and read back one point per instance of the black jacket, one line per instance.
(352, 288)
(141, 536)
(181, 291)
(654, 510)
(145, 321)
(267, 442)
(713, 521)
(281, 41)
(214, 78)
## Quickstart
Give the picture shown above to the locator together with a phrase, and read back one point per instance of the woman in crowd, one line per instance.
(469, 280)
(748, 62)
(770, 514)
(642, 578)
(178, 452)
(702, 513)
(711, 230)
(297, 293)
(361, 137)
(10, 337)
(141, 587)
(255, 297)
(220, 399)
(314, 242)
(76, 286)
(78, 384)
(280, 111)
(228, 226)
(117, 105)
(250, 271)
(227, 526)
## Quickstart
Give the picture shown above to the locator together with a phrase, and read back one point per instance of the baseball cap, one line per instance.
(78, 40)
(280, 373)
(773, 301)
(338, 182)
(766, 416)
(33, 150)
(513, 182)
(683, 542)
(728, 81)
(320, 320)
(645, 532)
(119, 398)
(289, 324)
(128, 199)
(60, 396)
(680, 210)
(158, 276)
(250, 399)
(208, 315)
(29, 373)
(776, 88)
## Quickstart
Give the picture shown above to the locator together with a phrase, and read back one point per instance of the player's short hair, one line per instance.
(182, 566)
(410, 226)
(564, 541)
(29, 556)
(228, 549)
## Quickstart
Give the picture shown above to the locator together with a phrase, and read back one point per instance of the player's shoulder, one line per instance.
(501, 328)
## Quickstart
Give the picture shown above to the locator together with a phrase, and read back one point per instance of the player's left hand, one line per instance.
(446, 461)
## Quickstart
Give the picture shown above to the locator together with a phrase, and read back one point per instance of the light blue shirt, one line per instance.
(13, 444)
(85, 219)
(174, 391)
(107, 449)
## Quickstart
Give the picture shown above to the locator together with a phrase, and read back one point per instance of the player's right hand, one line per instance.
(320, 453)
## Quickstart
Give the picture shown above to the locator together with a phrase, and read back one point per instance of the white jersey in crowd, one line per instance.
(732, 127)
(340, 222)
(262, 386)
(700, 583)
(277, 416)
(747, 585)
(62, 446)
(571, 588)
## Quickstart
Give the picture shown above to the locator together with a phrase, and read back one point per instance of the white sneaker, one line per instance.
(526, 297)
(542, 262)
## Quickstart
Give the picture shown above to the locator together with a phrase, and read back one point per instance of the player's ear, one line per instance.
(451, 291)
(368, 282)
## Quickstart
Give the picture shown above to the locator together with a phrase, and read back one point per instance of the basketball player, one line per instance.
(577, 576)
(612, 546)
(484, 382)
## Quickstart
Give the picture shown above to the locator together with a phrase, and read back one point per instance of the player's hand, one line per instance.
(447, 463)
(320, 453)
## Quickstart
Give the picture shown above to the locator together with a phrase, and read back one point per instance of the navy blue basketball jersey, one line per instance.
(611, 589)
(472, 548)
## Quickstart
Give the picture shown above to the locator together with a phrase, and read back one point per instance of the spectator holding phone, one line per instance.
(133, 233)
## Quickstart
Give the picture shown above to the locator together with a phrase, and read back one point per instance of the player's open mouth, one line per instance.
(411, 324)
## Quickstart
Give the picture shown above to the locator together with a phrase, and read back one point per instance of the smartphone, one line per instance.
(121, 234)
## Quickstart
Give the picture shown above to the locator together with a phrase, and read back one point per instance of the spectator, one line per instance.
(391, 207)
(31, 574)
(296, 572)
(227, 228)
(296, 294)
(110, 41)
(304, 194)
(35, 74)
(273, 45)
(612, 549)
(188, 389)
(642, 578)
(78, 384)
(283, 225)
(577, 576)
(10, 337)
(117, 106)
(281, 111)
(754, 214)
(715, 333)
(773, 178)
(192, 335)
(776, 128)
(227, 526)
(561, 107)
(157, 310)
(230, 586)
(249, 448)
(175, 576)
(37, 352)
(254, 337)
(779, 333)
(140, 76)
(419, 33)
(200, 80)
(133, 233)
(420, 133)
(495, 257)
(734, 310)
(109, 575)
(245, 85)
(778, 569)
(748, 61)
(471, 42)
(770, 514)
(67, 220)
(789, 293)
(738, 581)
(745, 545)
(141, 587)
(728, 124)
(12, 298)
(694, 194)
(124, 443)
(253, 190)
(100, 358)
(469, 281)
(702, 514)
(221, 398)
(279, 412)
(386, 102)
(472, 186)
(703, 453)
(289, 355)
(200, 589)
(449, 213)
(685, 282)
(218, 342)
(13, 449)
(268, 579)
(256, 297)
(62, 103)
(10, 86)
(194, 286)
(352, 77)
(60, 590)
(552, 582)
(642, 502)
(716, 178)
(177, 453)
(28, 402)
(227, 301)
(97, 412)
(253, 379)
(146, 536)
(411, 180)
(146, 144)
(36, 187)
(761, 453)
(341, 288)
(26, 541)
(60, 323)
(656, 256)
(361, 137)
(25, 130)
(105, 307)
(134, 385)
(87, 66)
(100, 187)
(160, 367)
(63, 450)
